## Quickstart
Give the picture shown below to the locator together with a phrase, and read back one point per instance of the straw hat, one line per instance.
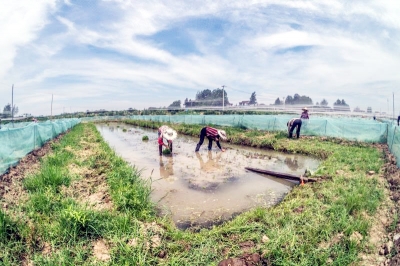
(222, 134)
(304, 109)
(169, 134)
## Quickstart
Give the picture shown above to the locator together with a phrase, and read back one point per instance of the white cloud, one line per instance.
(90, 61)
(20, 20)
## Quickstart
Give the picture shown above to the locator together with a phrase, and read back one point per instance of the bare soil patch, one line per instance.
(90, 189)
(101, 251)
(392, 174)
(90, 186)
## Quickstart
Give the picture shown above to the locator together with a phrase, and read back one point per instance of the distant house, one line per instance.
(369, 110)
(244, 103)
(358, 110)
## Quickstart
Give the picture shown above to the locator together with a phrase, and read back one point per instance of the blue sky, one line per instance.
(117, 54)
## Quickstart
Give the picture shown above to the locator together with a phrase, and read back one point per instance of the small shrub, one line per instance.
(145, 138)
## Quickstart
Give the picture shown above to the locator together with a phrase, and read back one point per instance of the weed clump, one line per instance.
(144, 138)
(124, 130)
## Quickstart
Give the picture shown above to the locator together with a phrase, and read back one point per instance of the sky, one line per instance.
(120, 54)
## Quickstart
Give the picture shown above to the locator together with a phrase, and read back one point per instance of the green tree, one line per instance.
(289, 100)
(7, 112)
(253, 98)
(297, 99)
(175, 104)
(278, 101)
(209, 98)
(324, 102)
(341, 105)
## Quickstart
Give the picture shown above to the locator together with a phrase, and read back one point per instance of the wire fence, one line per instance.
(20, 139)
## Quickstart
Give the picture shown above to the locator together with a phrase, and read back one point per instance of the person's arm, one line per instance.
(289, 124)
(219, 145)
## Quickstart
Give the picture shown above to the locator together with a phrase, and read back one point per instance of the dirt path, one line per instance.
(392, 174)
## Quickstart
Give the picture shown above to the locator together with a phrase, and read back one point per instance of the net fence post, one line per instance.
(326, 124)
(394, 133)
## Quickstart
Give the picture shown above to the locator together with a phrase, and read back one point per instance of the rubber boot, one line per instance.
(197, 148)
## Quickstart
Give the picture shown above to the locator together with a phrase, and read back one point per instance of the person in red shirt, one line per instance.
(160, 144)
(165, 132)
(212, 134)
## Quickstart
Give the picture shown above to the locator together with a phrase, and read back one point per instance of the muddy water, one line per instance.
(204, 188)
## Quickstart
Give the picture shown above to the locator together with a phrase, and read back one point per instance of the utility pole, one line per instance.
(223, 98)
(12, 104)
(393, 107)
(388, 109)
(51, 110)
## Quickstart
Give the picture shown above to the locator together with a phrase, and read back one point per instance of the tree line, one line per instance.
(209, 97)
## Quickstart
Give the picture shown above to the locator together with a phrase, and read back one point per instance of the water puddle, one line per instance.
(208, 187)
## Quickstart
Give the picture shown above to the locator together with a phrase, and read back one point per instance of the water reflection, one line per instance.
(166, 167)
(293, 163)
(211, 163)
(209, 185)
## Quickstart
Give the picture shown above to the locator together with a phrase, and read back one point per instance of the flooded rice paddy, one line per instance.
(207, 187)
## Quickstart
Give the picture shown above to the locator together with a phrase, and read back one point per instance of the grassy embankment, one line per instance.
(322, 223)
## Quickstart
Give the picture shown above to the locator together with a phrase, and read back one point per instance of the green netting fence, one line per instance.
(351, 128)
(17, 141)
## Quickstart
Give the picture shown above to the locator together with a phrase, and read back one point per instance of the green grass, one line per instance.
(338, 205)
(313, 225)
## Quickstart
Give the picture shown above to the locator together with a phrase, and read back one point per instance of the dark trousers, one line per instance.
(160, 146)
(169, 146)
(202, 136)
(297, 123)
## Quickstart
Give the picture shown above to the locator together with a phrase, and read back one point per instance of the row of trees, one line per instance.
(305, 100)
(214, 98)
(209, 98)
(296, 99)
